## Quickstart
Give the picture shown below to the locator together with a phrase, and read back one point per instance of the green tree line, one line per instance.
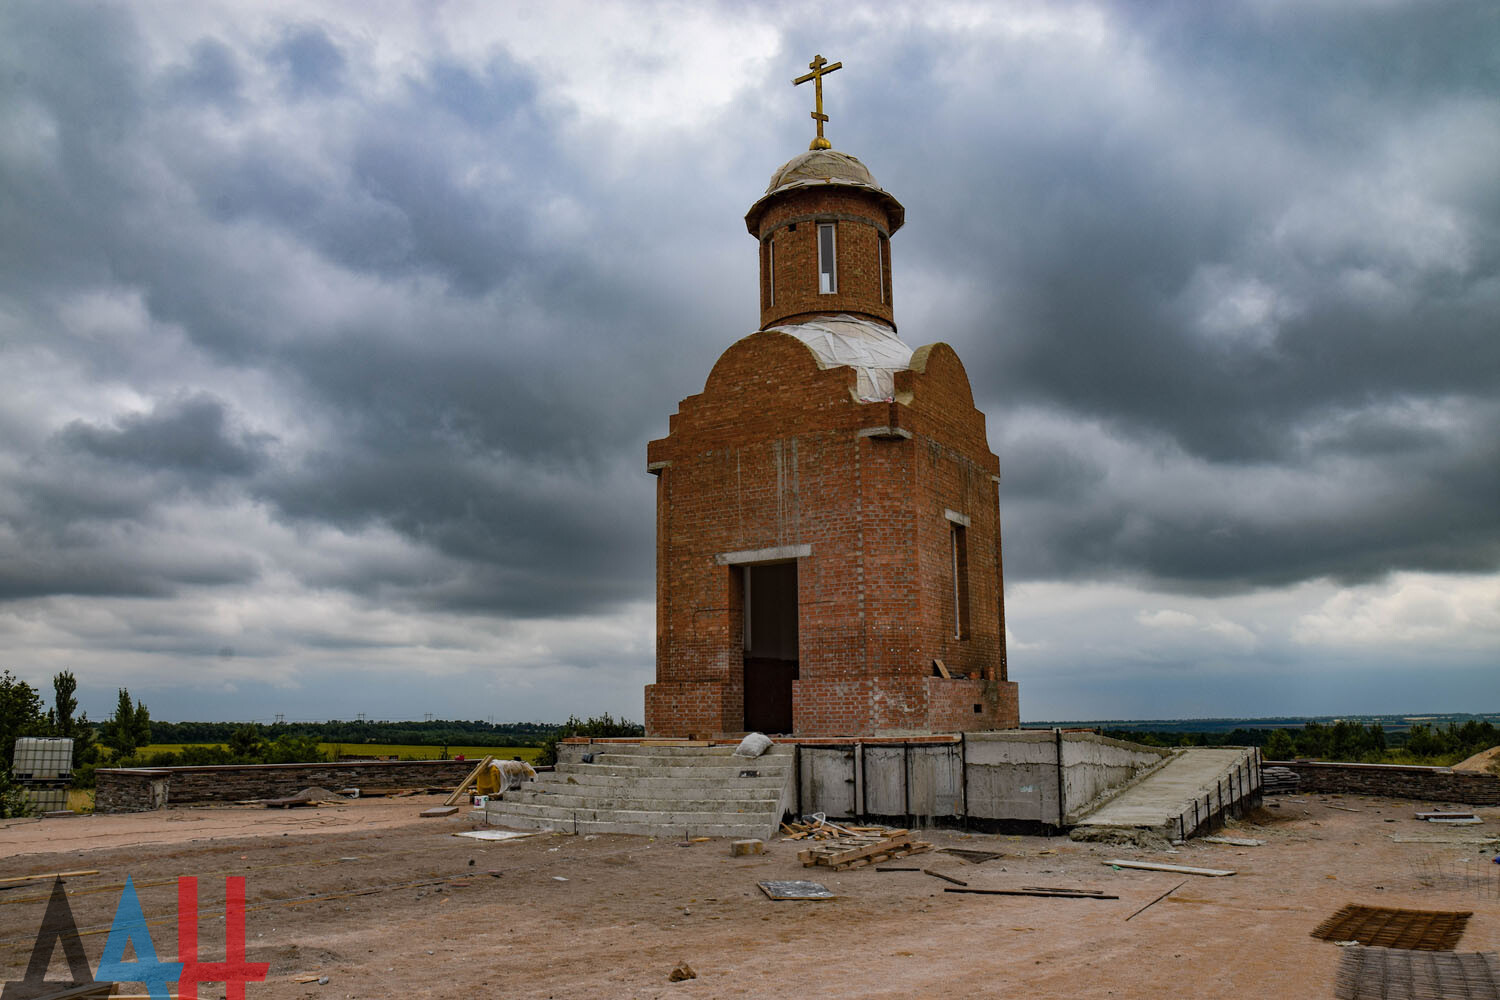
(433, 733)
(119, 739)
(1342, 741)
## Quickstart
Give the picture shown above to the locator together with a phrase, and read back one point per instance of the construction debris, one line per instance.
(437, 812)
(742, 848)
(682, 972)
(1034, 892)
(496, 834)
(972, 857)
(857, 846)
(1154, 866)
(1279, 780)
(1430, 816)
(1234, 841)
(945, 878)
(463, 786)
(16, 880)
(1396, 974)
(795, 889)
(1383, 927)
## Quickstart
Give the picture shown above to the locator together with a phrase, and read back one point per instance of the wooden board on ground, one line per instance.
(1155, 866)
(288, 803)
(438, 811)
(972, 857)
(1030, 892)
(45, 877)
(85, 991)
(945, 878)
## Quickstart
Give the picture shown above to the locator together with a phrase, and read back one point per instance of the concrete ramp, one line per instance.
(1190, 794)
(658, 791)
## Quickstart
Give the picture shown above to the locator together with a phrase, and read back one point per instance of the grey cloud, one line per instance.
(211, 76)
(313, 64)
(190, 435)
(1078, 232)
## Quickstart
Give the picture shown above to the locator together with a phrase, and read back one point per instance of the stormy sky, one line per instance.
(331, 336)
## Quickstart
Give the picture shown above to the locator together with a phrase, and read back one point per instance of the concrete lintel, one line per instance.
(957, 518)
(777, 553)
(995, 479)
(655, 467)
(885, 432)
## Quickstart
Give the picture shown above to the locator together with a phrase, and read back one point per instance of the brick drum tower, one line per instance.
(827, 508)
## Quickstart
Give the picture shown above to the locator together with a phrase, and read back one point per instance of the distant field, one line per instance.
(431, 753)
(403, 750)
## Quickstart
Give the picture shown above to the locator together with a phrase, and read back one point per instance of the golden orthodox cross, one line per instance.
(820, 68)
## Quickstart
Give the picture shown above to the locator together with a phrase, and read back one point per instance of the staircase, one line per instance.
(659, 791)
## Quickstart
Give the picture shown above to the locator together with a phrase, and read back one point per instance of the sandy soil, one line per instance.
(1483, 761)
(387, 905)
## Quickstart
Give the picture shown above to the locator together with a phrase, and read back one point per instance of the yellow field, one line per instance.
(408, 752)
(403, 750)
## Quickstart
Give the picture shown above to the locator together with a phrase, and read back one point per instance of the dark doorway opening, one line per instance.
(770, 646)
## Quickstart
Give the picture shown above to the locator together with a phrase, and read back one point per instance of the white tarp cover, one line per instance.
(872, 349)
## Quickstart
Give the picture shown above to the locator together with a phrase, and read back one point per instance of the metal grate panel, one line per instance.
(1423, 930)
(1394, 974)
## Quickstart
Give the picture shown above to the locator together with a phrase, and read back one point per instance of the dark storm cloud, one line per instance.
(1254, 220)
(1203, 253)
(486, 422)
(188, 435)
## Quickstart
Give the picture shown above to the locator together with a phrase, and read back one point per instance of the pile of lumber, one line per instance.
(857, 846)
(1279, 780)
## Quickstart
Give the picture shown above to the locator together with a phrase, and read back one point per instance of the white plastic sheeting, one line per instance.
(872, 349)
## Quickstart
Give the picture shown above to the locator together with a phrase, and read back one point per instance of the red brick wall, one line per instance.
(770, 454)
(860, 219)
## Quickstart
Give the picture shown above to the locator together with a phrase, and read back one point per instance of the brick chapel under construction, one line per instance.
(828, 529)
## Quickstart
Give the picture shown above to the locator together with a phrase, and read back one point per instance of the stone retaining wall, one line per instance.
(133, 789)
(1400, 781)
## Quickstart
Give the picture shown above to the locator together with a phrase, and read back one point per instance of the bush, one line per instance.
(12, 799)
(603, 725)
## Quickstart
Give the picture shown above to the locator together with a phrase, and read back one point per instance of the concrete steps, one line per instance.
(663, 791)
(1189, 791)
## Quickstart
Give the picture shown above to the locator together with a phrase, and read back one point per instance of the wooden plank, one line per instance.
(47, 876)
(1030, 892)
(945, 878)
(844, 857)
(87, 991)
(1154, 866)
(942, 670)
(458, 792)
(438, 811)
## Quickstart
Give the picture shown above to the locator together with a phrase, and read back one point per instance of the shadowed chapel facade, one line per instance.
(827, 508)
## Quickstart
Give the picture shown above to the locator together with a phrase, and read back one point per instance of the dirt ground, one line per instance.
(384, 904)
